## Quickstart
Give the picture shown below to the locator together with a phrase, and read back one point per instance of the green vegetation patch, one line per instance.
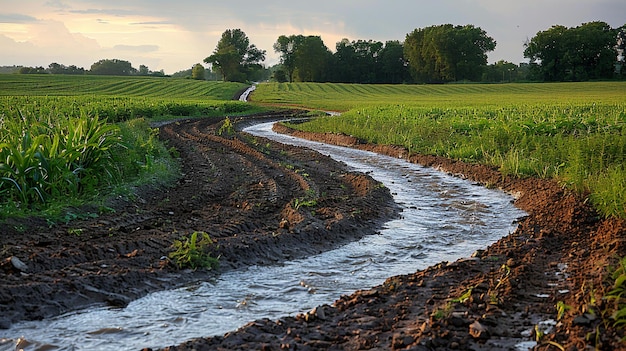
(194, 252)
(67, 140)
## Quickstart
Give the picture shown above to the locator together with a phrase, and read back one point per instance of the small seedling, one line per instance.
(561, 308)
(193, 252)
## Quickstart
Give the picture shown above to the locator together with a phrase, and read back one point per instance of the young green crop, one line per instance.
(573, 132)
(151, 87)
(43, 158)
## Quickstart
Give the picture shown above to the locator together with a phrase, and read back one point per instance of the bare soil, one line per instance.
(243, 191)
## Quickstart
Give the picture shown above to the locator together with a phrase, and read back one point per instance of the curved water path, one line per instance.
(443, 218)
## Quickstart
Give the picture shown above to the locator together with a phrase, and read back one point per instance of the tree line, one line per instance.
(435, 54)
(112, 67)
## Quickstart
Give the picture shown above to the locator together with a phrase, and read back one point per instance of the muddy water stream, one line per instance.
(443, 218)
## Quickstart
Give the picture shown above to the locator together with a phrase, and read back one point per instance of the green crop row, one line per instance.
(576, 133)
(343, 97)
(117, 109)
(68, 85)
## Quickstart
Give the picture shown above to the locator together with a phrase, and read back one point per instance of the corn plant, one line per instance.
(40, 158)
(616, 294)
(194, 252)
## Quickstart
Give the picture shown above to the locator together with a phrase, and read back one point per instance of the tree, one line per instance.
(143, 70)
(447, 53)
(357, 61)
(197, 72)
(32, 70)
(312, 58)
(287, 46)
(113, 67)
(577, 53)
(56, 68)
(344, 62)
(234, 57)
(280, 76)
(501, 71)
(393, 66)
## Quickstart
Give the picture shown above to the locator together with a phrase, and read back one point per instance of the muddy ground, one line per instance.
(244, 192)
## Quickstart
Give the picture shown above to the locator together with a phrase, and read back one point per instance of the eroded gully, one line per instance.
(443, 218)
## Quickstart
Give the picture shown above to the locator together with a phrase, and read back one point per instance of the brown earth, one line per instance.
(243, 190)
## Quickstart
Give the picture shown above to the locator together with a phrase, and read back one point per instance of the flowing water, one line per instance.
(444, 218)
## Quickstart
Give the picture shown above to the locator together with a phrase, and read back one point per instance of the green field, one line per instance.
(118, 98)
(344, 97)
(574, 132)
(155, 87)
(67, 139)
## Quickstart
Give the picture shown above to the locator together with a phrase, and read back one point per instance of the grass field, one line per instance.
(574, 132)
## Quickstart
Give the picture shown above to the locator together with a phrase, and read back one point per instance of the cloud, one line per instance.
(151, 23)
(110, 12)
(57, 4)
(16, 18)
(137, 48)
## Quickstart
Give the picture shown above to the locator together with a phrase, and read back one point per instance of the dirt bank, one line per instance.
(503, 296)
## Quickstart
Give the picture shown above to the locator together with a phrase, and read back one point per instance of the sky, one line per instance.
(173, 35)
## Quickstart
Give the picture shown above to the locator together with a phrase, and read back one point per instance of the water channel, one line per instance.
(444, 218)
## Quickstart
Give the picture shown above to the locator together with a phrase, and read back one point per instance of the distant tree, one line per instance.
(572, 54)
(345, 57)
(287, 46)
(143, 70)
(501, 71)
(112, 67)
(32, 70)
(280, 75)
(312, 58)
(447, 53)
(9, 69)
(357, 61)
(234, 57)
(393, 66)
(197, 72)
(56, 68)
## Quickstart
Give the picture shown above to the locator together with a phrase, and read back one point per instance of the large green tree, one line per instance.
(358, 61)
(393, 66)
(304, 58)
(447, 53)
(577, 53)
(234, 57)
(286, 46)
(312, 58)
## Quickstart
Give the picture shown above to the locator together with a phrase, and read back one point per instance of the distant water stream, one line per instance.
(444, 218)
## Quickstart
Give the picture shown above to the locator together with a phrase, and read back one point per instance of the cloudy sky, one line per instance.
(175, 34)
